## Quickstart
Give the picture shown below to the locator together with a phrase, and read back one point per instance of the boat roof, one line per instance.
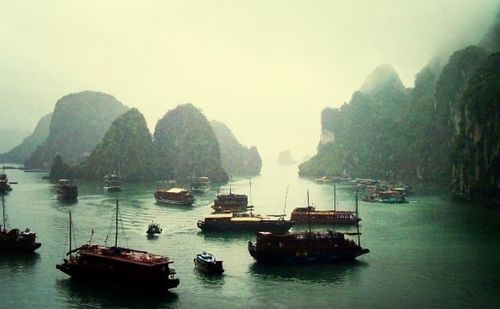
(124, 255)
(175, 190)
(221, 215)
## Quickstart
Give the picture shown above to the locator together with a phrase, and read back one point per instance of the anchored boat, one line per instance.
(207, 263)
(123, 266)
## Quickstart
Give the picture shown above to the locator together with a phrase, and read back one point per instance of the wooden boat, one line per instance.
(305, 247)
(207, 263)
(4, 183)
(67, 190)
(153, 228)
(311, 215)
(176, 196)
(112, 183)
(122, 266)
(201, 185)
(15, 241)
(233, 222)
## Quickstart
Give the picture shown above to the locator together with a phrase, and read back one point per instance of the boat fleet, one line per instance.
(231, 213)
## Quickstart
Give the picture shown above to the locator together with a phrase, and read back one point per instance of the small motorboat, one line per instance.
(207, 263)
(153, 228)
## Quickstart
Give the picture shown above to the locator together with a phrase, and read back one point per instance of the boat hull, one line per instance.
(18, 248)
(209, 267)
(300, 257)
(113, 189)
(106, 274)
(261, 226)
(174, 202)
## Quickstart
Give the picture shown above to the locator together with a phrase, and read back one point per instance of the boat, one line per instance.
(207, 263)
(310, 214)
(4, 183)
(306, 247)
(112, 183)
(231, 202)
(243, 222)
(122, 266)
(14, 240)
(200, 185)
(67, 190)
(176, 196)
(153, 228)
(324, 180)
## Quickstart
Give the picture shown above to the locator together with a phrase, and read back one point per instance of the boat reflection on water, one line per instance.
(18, 264)
(79, 294)
(326, 273)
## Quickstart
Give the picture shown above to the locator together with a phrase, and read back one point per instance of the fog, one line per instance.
(264, 68)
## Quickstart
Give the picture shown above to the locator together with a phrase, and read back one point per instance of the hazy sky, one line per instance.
(265, 68)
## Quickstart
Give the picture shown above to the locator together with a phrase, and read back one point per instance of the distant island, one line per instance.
(22, 152)
(285, 158)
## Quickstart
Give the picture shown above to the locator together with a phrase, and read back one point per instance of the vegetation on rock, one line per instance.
(60, 170)
(186, 146)
(236, 158)
(476, 151)
(126, 149)
(78, 123)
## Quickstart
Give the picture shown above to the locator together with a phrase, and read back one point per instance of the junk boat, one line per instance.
(112, 183)
(134, 268)
(153, 228)
(4, 183)
(305, 247)
(15, 241)
(234, 222)
(176, 196)
(207, 263)
(310, 215)
(201, 185)
(231, 202)
(67, 190)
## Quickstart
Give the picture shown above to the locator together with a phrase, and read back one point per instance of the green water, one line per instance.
(432, 252)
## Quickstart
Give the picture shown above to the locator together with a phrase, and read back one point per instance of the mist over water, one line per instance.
(266, 69)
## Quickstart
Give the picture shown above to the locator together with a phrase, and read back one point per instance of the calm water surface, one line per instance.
(432, 252)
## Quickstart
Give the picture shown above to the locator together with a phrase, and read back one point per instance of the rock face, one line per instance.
(236, 158)
(60, 170)
(285, 158)
(444, 130)
(186, 147)
(21, 152)
(358, 138)
(127, 148)
(476, 151)
(78, 123)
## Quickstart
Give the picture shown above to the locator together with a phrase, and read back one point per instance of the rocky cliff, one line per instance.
(186, 147)
(476, 140)
(78, 123)
(127, 149)
(236, 158)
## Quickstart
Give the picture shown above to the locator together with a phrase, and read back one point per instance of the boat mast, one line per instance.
(116, 225)
(284, 206)
(250, 181)
(3, 213)
(334, 198)
(308, 214)
(70, 230)
(357, 217)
